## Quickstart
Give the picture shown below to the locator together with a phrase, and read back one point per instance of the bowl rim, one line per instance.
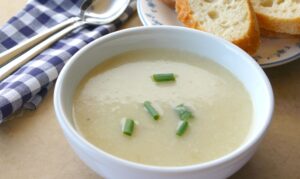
(67, 127)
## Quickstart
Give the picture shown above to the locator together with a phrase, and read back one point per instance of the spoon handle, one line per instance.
(10, 67)
(27, 44)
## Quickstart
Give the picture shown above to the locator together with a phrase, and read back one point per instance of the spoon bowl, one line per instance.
(104, 11)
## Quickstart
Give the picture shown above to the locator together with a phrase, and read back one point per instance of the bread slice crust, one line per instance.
(250, 41)
(170, 3)
(288, 25)
(277, 35)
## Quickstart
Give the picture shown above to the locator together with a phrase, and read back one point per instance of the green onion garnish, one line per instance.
(151, 110)
(127, 127)
(163, 77)
(182, 126)
(184, 112)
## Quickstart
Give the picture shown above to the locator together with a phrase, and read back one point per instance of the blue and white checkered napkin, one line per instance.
(29, 84)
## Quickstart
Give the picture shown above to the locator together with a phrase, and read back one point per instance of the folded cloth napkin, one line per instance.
(28, 85)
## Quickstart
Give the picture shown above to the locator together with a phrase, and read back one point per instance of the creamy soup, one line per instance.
(118, 87)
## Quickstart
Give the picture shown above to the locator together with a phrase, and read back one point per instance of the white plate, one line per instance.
(272, 52)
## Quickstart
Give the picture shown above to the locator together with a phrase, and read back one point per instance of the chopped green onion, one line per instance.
(163, 77)
(184, 112)
(151, 110)
(127, 127)
(182, 126)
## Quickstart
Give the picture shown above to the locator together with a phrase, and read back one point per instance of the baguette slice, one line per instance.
(278, 15)
(170, 3)
(233, 20)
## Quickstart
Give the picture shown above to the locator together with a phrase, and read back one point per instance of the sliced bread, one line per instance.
(233, 20)
(170, 3)
(278, 15)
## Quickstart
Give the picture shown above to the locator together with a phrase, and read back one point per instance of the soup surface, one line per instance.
(117, 89)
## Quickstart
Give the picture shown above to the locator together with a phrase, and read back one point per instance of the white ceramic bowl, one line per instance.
(204, 44)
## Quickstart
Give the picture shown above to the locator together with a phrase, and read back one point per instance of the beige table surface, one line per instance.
(33, 146)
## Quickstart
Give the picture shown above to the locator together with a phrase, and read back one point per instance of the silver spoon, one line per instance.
(95, 12)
